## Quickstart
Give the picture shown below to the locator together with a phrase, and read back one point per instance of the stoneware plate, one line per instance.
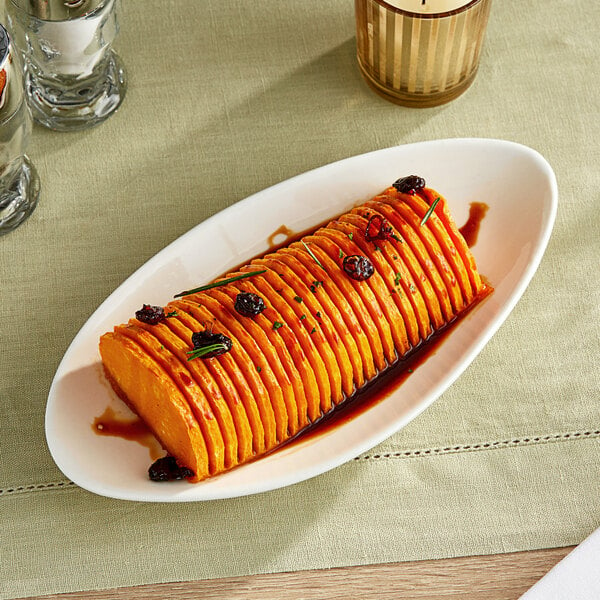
(515, 181)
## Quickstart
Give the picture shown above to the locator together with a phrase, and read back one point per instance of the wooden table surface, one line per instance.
(494, 577)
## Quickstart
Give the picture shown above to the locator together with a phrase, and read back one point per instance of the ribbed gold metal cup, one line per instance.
(424, 56)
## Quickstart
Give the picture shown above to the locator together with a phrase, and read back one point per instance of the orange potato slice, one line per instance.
(425, 275)
(433, 249)
(213, 381)
(443, 212)
(263, 355)
(332, 270)
(193, 393)
(149, 391)
(350, 328)
(336, 243)
(304, 301)
(320, 363)
(193, 317)
(296, 404)
(403, 324)
(410, 304)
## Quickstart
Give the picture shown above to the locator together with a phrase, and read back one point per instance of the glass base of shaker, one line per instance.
(70, 113)
(18, 197)
(418, 100)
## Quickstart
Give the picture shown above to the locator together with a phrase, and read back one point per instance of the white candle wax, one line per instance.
(431, 7)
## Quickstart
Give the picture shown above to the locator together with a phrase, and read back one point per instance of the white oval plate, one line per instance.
(515, 181)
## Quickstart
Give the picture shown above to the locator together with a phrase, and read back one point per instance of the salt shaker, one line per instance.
(19, 181)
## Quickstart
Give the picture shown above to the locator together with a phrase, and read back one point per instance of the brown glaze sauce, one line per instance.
(470, 230)
(111, 424)
(282, 230)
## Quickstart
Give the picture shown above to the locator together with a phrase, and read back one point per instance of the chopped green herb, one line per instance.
(277, 325)
(219, 283)
(395, 257)
(314, 329)
(200, 352)
(430, 211)
(410, 370)
(173, 313)
(311, 253)
(397, 278)
(258, 369)
(302, 317)
(341, 254)
(396, 238)
(298, 299)
(412, 288)
(318, 314)
(162, 347)
(351, 236)
(314, 285)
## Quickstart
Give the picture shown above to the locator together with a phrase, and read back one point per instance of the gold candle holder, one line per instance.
(420, 53)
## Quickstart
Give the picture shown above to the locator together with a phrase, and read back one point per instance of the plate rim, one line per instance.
(353, 450)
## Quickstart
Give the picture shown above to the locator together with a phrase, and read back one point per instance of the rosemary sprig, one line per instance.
(219, 283)
(204, 350)
(311, 253)
(430, 211)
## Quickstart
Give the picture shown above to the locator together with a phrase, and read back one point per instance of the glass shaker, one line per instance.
(19, 181)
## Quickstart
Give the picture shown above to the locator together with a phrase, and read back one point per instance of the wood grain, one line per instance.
(493, 577)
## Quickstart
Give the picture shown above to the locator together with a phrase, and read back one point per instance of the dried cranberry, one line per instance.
(249, 304)
(378, 228)
(358, 267)
(206, 339)
(409, 185)
(167, 469)
(150, 314)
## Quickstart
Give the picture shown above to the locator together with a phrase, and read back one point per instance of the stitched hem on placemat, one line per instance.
(403, 454)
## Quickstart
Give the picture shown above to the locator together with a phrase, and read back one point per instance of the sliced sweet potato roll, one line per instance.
(443, 212)
(193, 317)
(423, 270)
(412, 306)
(305, 304)
(309, 330)
(333, 271)
(210, 383)
(151, 393)
(349, 324)
(296, 404)
(263, 357)
(339, 336)
(449, 264)
(243, 364)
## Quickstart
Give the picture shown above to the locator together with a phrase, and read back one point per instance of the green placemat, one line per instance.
(225, 100)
